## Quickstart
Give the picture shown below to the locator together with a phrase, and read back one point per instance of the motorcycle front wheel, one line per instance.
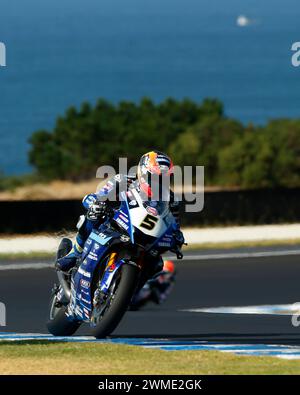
(108, 314)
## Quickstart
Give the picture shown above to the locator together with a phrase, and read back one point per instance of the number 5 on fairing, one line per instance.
(149, 222)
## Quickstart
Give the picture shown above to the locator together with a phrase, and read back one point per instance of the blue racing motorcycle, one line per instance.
(113, 267)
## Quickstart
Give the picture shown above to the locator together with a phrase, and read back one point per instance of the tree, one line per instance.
(202, 142)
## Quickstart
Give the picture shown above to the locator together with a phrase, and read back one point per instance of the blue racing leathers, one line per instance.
(109, 194)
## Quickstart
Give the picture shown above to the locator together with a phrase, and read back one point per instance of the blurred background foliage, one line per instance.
(233, 154)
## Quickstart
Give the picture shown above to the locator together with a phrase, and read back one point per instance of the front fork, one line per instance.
(112, 267)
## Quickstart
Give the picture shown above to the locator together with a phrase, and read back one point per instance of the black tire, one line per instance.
(58, 323)
(119, 305)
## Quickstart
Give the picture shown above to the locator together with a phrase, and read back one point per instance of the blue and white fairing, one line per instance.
(81, 299)
(148, 223)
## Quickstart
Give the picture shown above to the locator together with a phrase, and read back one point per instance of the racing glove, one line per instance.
(179, 238)
(179, 241)
(96, 211)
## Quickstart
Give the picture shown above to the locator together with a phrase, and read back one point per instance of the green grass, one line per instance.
(86, 358)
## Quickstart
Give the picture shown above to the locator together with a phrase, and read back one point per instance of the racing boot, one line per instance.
(68, 261)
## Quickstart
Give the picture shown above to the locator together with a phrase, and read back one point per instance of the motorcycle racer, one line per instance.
(154, 168)
(157, 289)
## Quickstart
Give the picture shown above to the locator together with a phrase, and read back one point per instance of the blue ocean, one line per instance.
(63, 52)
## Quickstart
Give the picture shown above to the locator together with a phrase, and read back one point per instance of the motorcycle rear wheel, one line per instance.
(58, 324)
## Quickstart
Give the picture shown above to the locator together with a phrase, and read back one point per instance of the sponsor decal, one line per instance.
(133, 203)
(124, 218)
(124, 238)
(164, 244)
(93, 256)
(152, 210)
(85, 283)
(84, 272)
(122, 223)
(112, 267)
(111, 263)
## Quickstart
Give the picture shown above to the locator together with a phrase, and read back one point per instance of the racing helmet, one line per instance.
(154, 172)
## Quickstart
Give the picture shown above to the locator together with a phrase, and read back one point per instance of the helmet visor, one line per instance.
(159, 186)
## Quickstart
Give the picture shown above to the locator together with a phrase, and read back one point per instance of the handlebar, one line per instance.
(178, 252)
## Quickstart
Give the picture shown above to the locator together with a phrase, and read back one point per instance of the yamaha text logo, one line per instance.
(2, 55)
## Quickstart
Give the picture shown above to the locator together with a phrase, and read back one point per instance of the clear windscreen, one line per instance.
(162, 207)
(161, 204)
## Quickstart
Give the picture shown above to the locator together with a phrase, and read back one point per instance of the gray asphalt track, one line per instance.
(200, 283)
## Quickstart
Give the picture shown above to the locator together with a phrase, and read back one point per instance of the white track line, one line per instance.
(22, 266)
(237, 255)
(276, 309)
(197, 257)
